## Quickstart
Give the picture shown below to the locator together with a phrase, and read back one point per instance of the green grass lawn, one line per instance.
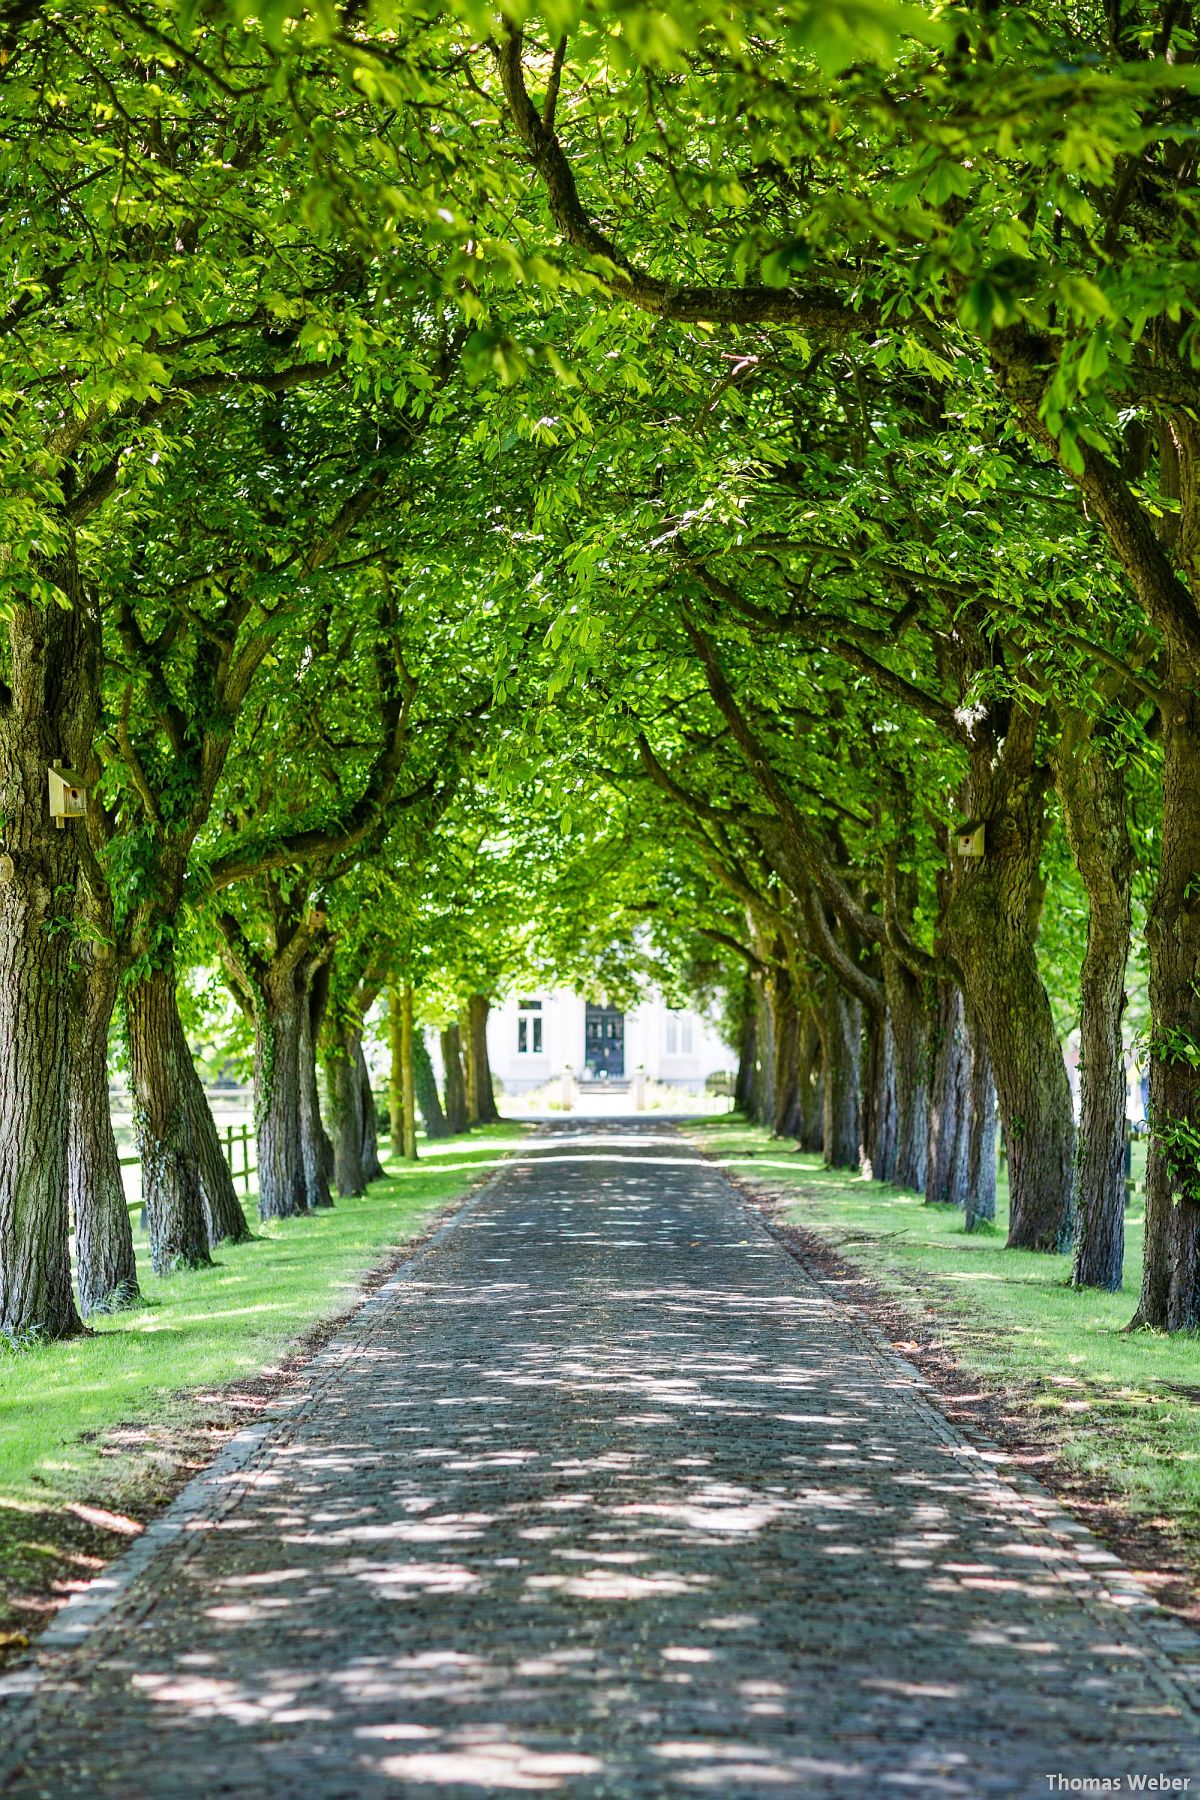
(1119, 1405)
(92, 1430)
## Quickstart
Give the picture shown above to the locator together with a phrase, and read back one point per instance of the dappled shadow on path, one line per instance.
(611, 1499)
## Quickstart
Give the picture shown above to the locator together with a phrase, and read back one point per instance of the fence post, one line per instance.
(229, 1147)
(246, 1158)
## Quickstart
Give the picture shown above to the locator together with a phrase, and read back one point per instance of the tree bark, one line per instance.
(223, 1212)
(395, 1070)
(910, 1036)
(841, 1043)
(159, 1063)
(1091, 785)
(764, 1086)
(408, 1095)
(456, 1088)
(281, 1002)
(470, 1069)
(47, 717)
(1170, 1299)
(743, 1087)
(880, 1128)
(981, 1138)
(990, 926)
(344, 1090)
(316, 1149)
(106, 1270)
(428, 1099)
(785, 1056)
(949, 1101)
(811, 1131)
(373, 1169)
(478, 1008)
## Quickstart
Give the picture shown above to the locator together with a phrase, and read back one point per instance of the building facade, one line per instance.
(536, 1036)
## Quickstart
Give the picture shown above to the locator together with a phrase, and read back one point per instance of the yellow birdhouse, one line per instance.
(68, 796)
(969, 840)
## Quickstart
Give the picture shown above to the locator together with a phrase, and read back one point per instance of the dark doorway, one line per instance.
(604, 1042)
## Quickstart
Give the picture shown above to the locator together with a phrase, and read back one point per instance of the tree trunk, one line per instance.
(428, 1099)
(104, 1259)
(373, 1169)
(1170, 1298)
(346, 1113)
(881, 1117)
(395, 1070)
(764, 1090)
(1092, 788)
(786, 1028)
(990, 925)
(743, 1087)
(910, 1037)
(456, 1087)
(841, 1041)
(812, 1104)
(47, 717)
(470, 1069)
(949, 1101)
(171, 1188)
(408, 1095)
(478, 1008)
(280, 1005)
(981, 1137)
(223, 1212)
(316, 1150)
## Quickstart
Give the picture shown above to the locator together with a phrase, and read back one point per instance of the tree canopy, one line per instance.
(500, 495)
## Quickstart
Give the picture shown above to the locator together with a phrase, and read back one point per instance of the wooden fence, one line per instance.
(233, 1139)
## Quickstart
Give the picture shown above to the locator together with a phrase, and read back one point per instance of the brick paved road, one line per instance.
(608, 1496)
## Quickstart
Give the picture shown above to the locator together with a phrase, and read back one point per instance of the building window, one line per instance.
(679, 1034)
(529, 1028)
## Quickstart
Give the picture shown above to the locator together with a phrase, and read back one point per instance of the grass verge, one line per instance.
(97, 1434)
(1106, 1416)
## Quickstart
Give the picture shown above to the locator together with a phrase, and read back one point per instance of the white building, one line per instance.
(535, 1036)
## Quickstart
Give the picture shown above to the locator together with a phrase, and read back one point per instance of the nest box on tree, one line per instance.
(68, 796)
(968, 839)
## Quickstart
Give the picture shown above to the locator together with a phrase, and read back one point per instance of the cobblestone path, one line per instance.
(607, 1496)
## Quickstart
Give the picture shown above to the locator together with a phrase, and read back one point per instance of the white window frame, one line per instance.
(531, 1030)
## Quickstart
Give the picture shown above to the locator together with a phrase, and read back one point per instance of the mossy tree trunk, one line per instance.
(909, 1018)
(408, 1090)
(106, 1269)
(949, 1100)
(980, 1205)
(48, 707)
(455, 1080)
(160, 1065)
(1170, 1298)
(425, 1082)
(344, 1091)
(811, 1129)
(880, 1107)
(990, 925)
(841, 1044)
(1091, 785)
(373, 1169)
(486, 1110)
(316, 1148)
(785, 1030)
(743, 1087)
